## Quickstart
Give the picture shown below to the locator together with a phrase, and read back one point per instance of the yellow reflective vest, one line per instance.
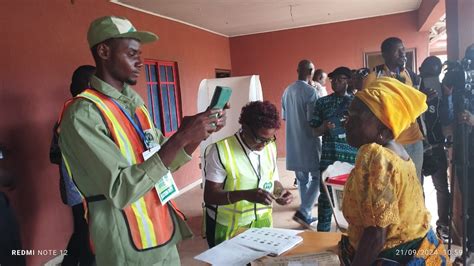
(241, 175)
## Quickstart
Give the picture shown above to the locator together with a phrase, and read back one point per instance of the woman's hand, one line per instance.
(285, 198)
(259, 195)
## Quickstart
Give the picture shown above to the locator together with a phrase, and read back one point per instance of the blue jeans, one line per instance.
(415, 150)
(308, 186)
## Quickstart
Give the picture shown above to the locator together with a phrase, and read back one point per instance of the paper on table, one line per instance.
(230, 253)
(320, 259)
(273, 241)
(291, 232)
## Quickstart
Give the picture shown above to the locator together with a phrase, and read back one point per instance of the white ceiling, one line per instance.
(242, 17)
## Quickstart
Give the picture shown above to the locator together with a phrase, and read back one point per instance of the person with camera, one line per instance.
(435, 163)
(463, 115)
(327, 121)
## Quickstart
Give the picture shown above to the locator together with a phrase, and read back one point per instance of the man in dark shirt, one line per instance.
(434, 161)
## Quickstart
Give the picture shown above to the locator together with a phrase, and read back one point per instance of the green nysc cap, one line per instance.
(109, 27)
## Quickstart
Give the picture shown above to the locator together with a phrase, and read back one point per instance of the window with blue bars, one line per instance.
(164, 102)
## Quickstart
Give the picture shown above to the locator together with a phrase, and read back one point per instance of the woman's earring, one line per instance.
(382, 139)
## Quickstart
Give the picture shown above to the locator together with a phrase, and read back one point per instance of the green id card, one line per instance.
(166, 188)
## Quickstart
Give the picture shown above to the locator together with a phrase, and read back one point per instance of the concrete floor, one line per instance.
(190, 205)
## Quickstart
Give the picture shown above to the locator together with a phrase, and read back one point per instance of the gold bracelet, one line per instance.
(228, 197)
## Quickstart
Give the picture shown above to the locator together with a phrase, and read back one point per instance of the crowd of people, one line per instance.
(395, 127)
(116, 166)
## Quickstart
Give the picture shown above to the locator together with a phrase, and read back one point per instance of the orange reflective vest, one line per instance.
(150, 224)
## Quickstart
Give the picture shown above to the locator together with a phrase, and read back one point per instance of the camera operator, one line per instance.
(434, 160)
(463, 115)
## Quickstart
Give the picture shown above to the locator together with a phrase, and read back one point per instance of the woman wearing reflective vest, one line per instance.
(242, 176)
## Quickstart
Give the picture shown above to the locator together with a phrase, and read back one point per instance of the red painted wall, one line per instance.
(274, 56)
(41, 46)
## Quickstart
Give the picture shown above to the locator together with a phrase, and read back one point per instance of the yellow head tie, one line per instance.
(395, 104)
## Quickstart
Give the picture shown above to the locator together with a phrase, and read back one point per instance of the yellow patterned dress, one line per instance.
(383, 191)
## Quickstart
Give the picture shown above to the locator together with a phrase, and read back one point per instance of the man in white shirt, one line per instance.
(242, 177)
(302, 148)
(319, 82)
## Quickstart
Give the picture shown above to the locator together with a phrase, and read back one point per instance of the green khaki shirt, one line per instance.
(98, 168)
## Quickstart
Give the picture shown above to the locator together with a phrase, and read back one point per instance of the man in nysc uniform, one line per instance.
(119, 161)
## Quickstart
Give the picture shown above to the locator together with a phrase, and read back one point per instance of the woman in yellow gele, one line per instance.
(383, 198)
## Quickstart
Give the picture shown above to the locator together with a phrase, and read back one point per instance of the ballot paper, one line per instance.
(292, 232)
(250, 245)
(275, 242)
(230, 253)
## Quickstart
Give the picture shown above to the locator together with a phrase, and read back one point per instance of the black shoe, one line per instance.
(299, 218)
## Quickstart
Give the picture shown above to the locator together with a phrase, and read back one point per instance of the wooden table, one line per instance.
(316, 242)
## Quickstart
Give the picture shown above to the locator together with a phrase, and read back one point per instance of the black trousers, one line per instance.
(9, 235)
(436, 165)
(78, 248)
(210, 231)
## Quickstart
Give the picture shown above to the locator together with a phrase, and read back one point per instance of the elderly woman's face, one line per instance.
(362, 127)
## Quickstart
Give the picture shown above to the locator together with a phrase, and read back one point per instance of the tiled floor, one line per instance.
(190, 204)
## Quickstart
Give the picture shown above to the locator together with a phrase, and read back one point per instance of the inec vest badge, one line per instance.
(268, 186)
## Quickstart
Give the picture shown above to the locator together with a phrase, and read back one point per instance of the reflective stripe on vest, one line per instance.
(242, 176)
(150, 224)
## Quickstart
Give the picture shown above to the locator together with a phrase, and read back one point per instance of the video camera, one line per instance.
(460, 74)
(460, 77)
